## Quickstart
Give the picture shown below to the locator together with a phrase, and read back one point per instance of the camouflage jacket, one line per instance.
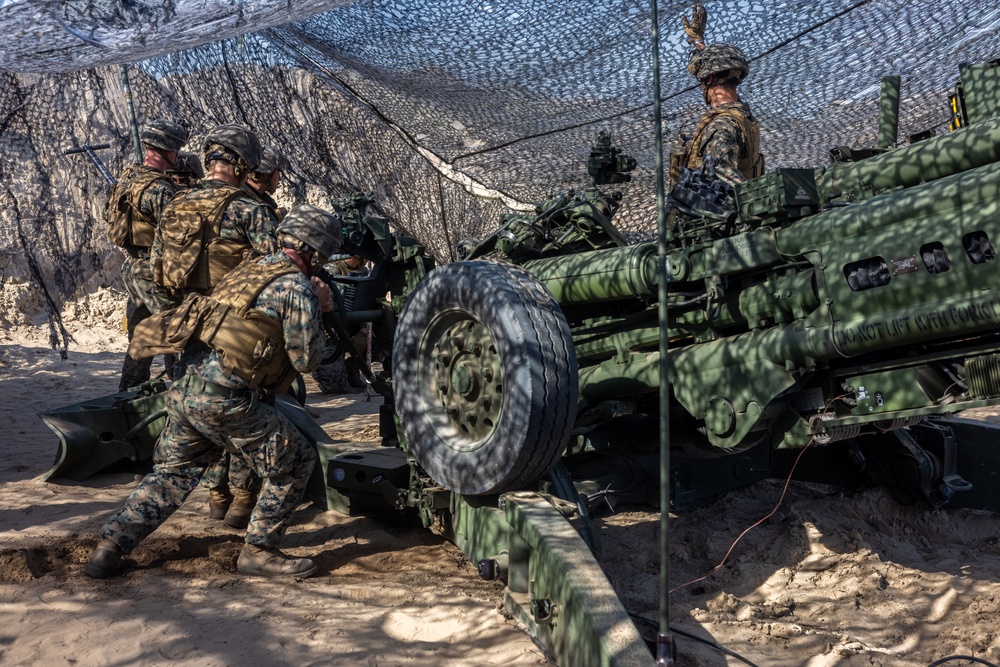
(267, 200)
(245, 219)
(288, 299)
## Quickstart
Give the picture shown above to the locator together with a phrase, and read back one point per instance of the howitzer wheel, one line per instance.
(485, 377)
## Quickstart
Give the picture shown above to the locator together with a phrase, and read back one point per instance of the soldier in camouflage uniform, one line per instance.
(264, 182)
(234, 508)
(135, 206)
(728, 134)
(225, 400)
(329, 376)
(187, 171)
(237, 225)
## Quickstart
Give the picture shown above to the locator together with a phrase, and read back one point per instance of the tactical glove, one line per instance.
(695, 27)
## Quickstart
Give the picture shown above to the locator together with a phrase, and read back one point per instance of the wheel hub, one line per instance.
(467, 375)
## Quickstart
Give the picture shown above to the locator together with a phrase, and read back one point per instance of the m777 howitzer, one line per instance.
(843, 304)
(848, 309)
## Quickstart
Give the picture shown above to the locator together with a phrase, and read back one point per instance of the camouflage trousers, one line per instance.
(199, 428)
(232, 471)
(142, 302)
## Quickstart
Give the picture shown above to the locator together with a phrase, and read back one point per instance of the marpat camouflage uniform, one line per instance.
(201, 426)
(267, 200)
(137, 275)
(723, 140)
(252, 220)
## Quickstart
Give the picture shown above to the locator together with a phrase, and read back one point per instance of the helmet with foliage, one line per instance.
(718, 59)
(164, 134)
(235, 144)
(271, 160)
(188, 164)
(314, 229)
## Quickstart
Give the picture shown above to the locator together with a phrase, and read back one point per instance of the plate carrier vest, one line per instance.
(251, 344)
(688, 153)
(195, 257)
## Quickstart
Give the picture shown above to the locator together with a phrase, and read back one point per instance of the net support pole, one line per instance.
(665, 650)
(130, 108)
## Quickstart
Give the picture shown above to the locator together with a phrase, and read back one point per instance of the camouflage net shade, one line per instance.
(451, 112)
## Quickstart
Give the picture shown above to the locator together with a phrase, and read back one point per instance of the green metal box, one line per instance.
(778, 195)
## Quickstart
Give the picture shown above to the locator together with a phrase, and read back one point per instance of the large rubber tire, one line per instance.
(485, 377)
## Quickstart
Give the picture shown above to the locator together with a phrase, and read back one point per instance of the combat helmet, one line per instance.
(314, 229)
(719, 59)
(241, 147)
(465, 247)
(164, 134)
(271, 159)
(188, 164)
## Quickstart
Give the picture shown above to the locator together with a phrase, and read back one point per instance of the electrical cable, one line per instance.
(962, 657)
(702, 640)
(781, 499)
(751, 527)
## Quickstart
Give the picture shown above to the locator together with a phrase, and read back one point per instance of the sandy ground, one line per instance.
(384, 595)
(833, 578)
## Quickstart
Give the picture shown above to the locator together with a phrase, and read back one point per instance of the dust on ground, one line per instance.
(833, 578)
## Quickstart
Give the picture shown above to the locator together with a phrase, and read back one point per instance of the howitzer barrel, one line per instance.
(964, 198)
(601, 275)
(925, 161)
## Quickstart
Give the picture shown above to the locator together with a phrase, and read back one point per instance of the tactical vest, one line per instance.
(688, 153)
(194, 256)
(251, 344)
(127, 224)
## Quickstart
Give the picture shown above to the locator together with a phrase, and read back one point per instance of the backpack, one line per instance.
(127, 226)
(190, 228)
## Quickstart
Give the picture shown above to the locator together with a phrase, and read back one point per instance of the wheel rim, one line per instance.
(461, 360)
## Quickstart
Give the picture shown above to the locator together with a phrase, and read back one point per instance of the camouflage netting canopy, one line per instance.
(450, 111)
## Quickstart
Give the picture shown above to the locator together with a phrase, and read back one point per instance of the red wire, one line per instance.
(765, 518)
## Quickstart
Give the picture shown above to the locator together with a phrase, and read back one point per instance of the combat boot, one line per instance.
(106, 561)
(219, 501)
(269, 562)
(239, 512)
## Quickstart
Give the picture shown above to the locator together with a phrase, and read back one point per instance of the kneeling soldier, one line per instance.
(248, 341)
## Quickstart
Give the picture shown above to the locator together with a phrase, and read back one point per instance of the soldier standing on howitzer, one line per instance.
(268, 314)
(134, 209)
(206, 231)
(264, 182)
(728, 132)
(186, 171)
